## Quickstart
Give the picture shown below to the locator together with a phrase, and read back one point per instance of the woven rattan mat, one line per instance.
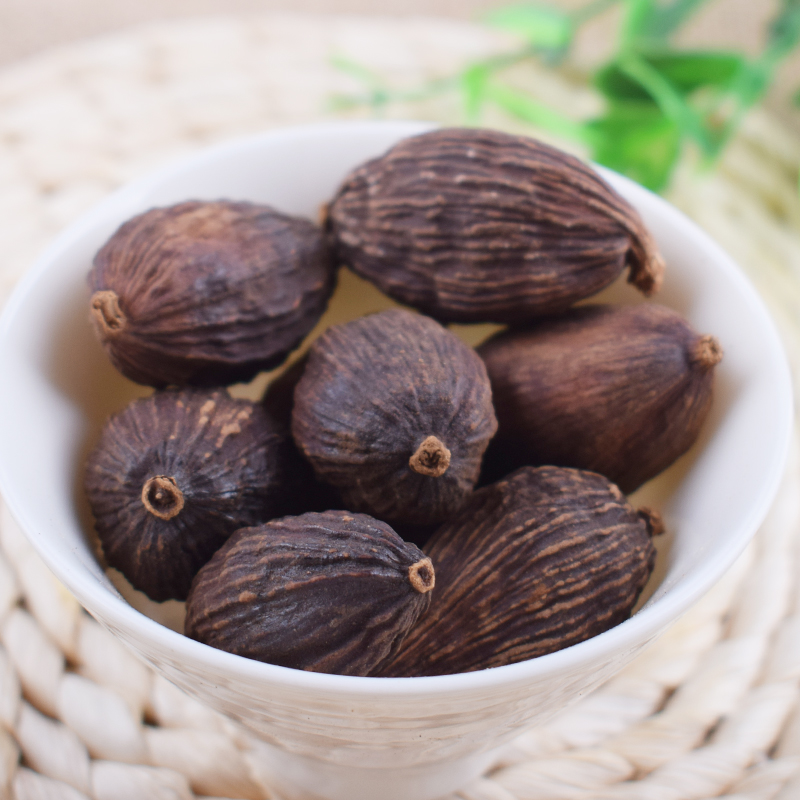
(710, 710)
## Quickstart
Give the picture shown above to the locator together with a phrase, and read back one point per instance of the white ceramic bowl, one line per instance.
(359, 738)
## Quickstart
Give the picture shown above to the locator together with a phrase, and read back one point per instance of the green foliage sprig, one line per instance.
(658, 98)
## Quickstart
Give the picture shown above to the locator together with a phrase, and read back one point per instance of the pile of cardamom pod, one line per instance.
(292, 526)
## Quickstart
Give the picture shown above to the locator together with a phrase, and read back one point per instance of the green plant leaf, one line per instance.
(637, 140)
(634, 22)
(671, 102)
(473, 87)
(544, 27)
(690, 70)
(650, 22)
(784, 31)
(524, 107)
(685, 71)
(616, 85)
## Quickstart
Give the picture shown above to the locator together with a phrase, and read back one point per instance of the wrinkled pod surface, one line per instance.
(326, 592)
(396, 412)
(476, 225)
(535, 563)
(623, 391)
(174, 475)
(208, 293)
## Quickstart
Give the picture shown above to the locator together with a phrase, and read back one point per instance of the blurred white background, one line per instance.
(27, 26)
(31, 26)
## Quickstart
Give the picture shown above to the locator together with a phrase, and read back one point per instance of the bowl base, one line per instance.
(296, 777)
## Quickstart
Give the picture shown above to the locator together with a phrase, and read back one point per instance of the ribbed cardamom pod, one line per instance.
(174, 475)
(396, 412)
(208, 293)
(332, 592)
(472, 225)
(622, 391)
(535, 563)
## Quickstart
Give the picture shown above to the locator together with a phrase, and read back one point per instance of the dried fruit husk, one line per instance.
(174, 475)
(622, 391)
(208, 293)
(535, 563)
(333, 592)
(472, 225)
(396, 412)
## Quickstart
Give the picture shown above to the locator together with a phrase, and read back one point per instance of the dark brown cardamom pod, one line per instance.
(478, 225)
(396, 412)
(208, 293)
(174, 475)
(622, 391)
(543, 560)
(333, 592)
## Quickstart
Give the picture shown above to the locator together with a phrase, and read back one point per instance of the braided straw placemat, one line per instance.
(710, 710)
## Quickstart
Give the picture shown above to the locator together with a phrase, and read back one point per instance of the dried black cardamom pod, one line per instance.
(543, 560)
(333, 592)
(208, 293)
(396, 412)
(622, 391)
(174, 475)
(473, 225)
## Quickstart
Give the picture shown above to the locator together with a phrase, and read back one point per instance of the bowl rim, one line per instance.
(645, 625)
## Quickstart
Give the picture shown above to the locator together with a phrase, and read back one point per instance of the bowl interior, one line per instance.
(58, 387)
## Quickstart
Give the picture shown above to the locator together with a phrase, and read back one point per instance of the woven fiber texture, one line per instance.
(710, 710)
